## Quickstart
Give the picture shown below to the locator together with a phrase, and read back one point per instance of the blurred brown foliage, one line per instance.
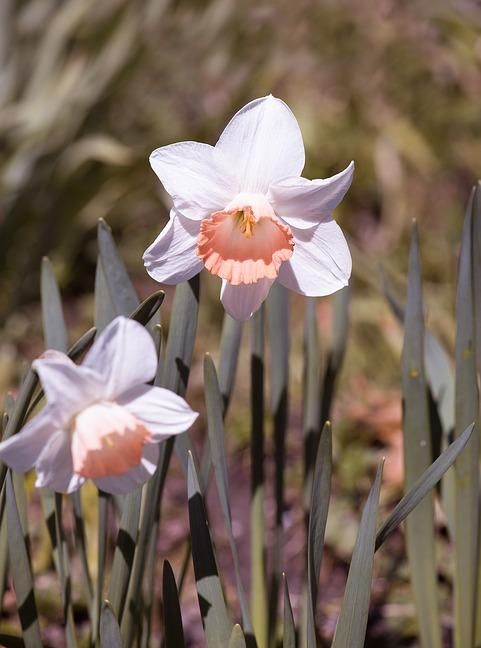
(88, 89)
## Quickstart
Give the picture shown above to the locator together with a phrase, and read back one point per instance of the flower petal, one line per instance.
(172, 257)
(303, 203)
(198, 177)
(54, 466)
(107, 440)
(124, 355)
(243, 300)
(321, 263)
(265, 142)
(161, 411)
(21, 451)
(67, 386)
(134, 478)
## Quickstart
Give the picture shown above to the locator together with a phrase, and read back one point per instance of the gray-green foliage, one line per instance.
(125, 619)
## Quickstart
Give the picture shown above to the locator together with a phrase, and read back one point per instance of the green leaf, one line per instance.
(420, 536)
(337, 350)
(124, 552)
(423, 485)
(352, 623)
(55, 332)
(213, 610)
(21, 571)
(230, 343)
(467, 465)
(147, 309)
(174, 375)
(259, 609)
(215, 426)
(102, 527)
(118, 284)
(237, 639)
(109, 628)
(173, 631)
(289, 631)
(320, 496)
(278, 328)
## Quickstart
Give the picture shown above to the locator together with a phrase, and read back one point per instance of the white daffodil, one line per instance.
(101, 421)
(241, 210)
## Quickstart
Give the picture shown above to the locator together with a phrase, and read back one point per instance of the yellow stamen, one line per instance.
(245, 222)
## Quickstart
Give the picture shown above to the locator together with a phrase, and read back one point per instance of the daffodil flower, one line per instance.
(241, 210)
(101, 421)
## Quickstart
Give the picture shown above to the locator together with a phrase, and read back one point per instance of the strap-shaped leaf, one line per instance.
(213, 610)
(420, 537)
(124, 552)
(423, 485)
(289, 630)
(147, 309)
(174, 376)
(237, 639)
(109, 628)
(215, 426)
(173, 631)
(55, 332)
(337, 349)
(260, 620)
(320, 496)
(278, 328)
(230, 343)
(21, 571)
(467, 465)
(120, 288)
(352, 623)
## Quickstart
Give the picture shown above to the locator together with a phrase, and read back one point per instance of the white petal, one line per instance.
(67, 386)
(124, 355)
(172, 257)
(321, 263)
(197, 176)
(161, 411)
(134, 478)
(243, 300)
(304, 203)
(265, 143)
(54, 466)
(21, 451)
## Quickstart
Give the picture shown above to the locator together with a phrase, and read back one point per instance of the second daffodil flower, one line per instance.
(101, 421)
(241, 210)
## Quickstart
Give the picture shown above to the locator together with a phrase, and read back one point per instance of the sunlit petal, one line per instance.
(172, 258)
(199, 178)
(265, 142)
(321, 263)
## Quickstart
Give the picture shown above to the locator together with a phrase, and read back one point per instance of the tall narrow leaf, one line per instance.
(215, 426)
(423, 485)
(278, 328)
(237, 639)
(215, 618)
(352, 622)
(173, 631)
(320, 495)
(258, 568)
(124, 552)
(52, 312)
(417, 458)
(21, 572)
(109, 628)
(467, 464)
(289, 632)
(337, 350)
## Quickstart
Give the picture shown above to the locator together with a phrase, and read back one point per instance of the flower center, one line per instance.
(245, 241)
(106, 440)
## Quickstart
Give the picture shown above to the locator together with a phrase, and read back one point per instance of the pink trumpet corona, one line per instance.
(242, 211)
(101, 421)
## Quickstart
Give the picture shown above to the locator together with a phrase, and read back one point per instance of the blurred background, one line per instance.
(88, 89)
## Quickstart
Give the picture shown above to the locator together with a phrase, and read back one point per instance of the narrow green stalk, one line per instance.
(259, 608)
